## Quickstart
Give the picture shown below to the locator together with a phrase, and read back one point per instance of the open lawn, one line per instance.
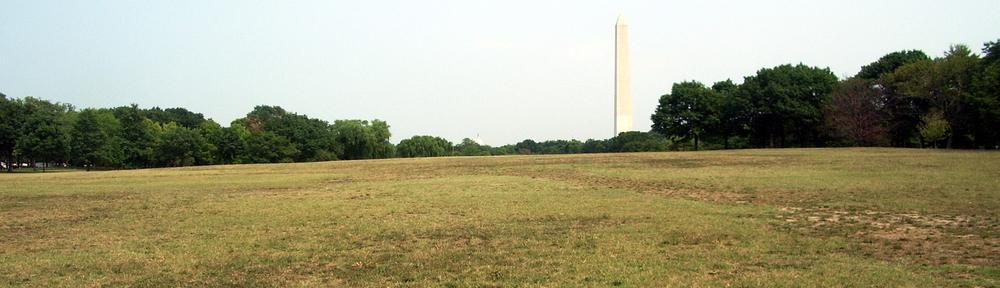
(790, 217)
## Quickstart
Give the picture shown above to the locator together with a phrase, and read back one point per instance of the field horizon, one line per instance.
(755, 217)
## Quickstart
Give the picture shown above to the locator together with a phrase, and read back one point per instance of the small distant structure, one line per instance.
(479, 140)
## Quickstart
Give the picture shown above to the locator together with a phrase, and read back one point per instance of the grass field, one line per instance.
(792, 217)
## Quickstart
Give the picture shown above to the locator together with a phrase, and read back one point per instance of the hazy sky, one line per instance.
(506, 70)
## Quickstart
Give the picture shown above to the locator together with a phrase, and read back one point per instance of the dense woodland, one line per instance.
(905, 99)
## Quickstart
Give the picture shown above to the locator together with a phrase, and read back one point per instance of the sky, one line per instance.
(500, 70)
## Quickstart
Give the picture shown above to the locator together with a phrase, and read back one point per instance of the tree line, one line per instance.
(43, 133)
(904, 99)
(33, 131)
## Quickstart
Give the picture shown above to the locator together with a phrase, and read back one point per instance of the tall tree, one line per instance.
(268, 147)
(733, 110)
(363, 140)
(787, 101)
(95, 140)
(181, 146)
(986, 97)
(688, 112)
(11, 120)
(636, 141)
(470, 147)
(230, 143)
(944, 83)
(313, 137)
(854, 112)
(43, 137)
(424, 146)
(890, 62)
(137, 136)
(903, 110)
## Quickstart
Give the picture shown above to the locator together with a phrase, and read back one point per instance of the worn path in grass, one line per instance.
(793, 217)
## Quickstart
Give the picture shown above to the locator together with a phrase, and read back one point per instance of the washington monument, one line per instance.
(623, 82)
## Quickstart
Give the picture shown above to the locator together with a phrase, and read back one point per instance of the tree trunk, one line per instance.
(950, 137)
(725, 141)
(696, 142)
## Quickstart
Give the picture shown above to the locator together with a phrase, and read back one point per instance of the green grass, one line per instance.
(795, 217)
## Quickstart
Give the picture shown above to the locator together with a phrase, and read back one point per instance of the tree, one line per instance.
(635, 141)
(424, 146)
(854, 112)
(503, 150)
(944, 83)
(230, 143)
(381, 134)
(181, 146)
(733, 111)
(902, 111)
(359, 139)
(688, 112)
(934, 128)
(314, 138)
(787, 101)
(42, 136)
(268, 147)
(137, 136)
(470, 147)
(181, 116)
(890, 62)
(595, 146)
(95, 140)
(527, 146)
(985, 98)
(11, 120)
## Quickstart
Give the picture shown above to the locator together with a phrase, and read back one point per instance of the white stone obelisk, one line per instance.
(623, 81)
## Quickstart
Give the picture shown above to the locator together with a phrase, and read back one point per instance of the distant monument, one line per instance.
(623, 81)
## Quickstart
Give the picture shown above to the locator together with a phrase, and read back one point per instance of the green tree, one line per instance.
(595, 146)
(95, 140)
(470, 147)
(181, 116)
(137, 136)
(688, 112)
(11, 120)
(944, 84)
(181, 146)
(503, 150)
(985, 98)
(424, 146)
(635, 141)
(527, 146)
(889, 63)
(363, 140)
(733, 112)
(314, 138)
(787, 101)
(934, 127)
(268, 147)
(43, 137)
(230, 143)
(902, 110)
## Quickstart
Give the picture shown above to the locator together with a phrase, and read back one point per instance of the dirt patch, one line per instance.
(926, 239)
